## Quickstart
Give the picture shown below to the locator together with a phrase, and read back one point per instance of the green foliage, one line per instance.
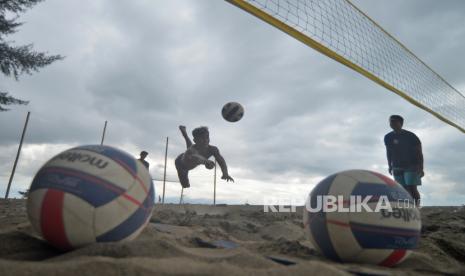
(7, 100)
(17, 60)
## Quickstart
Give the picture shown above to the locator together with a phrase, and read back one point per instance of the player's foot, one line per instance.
(209, 164)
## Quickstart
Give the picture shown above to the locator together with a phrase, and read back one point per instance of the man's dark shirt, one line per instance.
(146, 164)
(401, 149)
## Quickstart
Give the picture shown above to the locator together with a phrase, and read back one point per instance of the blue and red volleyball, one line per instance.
(90, 194)
(383, 232)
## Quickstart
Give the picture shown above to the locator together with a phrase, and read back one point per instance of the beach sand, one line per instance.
(220, 240)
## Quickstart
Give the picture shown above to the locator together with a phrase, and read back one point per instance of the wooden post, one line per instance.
(180, 199)
(164, 173)
(17, 156)
(103, 134)
(214, 186)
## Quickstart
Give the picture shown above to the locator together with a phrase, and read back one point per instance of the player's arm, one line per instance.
(388, 154)
(186, 137)
(419, 156)
(389, 159)
(420, 160)
(222, 163)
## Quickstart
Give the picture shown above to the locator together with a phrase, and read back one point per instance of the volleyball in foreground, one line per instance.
(347, 218)
(90, 194)
(232, 112)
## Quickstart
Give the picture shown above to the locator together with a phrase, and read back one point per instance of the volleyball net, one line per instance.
(341, 31)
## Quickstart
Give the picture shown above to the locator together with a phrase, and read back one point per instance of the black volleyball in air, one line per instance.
(232, 112)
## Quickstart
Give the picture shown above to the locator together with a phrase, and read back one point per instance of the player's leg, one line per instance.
(412, 180)
(184, 178)
(399, 176)
(183, 173)
(416, 195)
(403, 179)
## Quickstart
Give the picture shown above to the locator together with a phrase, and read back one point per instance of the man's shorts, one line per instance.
(407, 178)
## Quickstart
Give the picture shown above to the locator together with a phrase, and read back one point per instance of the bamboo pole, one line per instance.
(182, 192)
(214, 186)
(103, 134)
(164, 172)
(17, 156)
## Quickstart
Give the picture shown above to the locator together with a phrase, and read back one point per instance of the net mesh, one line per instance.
(352, 38)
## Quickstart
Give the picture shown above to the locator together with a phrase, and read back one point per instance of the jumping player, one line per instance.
(197, 154)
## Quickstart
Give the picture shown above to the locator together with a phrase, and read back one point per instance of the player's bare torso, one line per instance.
(196, 155)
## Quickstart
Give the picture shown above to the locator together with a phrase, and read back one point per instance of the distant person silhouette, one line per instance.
(197, 154)
(144, 154)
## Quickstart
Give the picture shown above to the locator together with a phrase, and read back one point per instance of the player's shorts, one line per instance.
(407, 178)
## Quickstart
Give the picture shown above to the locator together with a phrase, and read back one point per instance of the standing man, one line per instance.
(404, 156)
(144, 154)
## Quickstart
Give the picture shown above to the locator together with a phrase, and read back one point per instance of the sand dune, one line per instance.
(228, 240)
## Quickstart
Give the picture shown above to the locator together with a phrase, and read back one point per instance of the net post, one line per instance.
(17, 156)
(214, 186)
(164, 171)
(103, 133)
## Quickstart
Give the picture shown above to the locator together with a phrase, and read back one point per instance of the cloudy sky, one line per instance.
(147, 66)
